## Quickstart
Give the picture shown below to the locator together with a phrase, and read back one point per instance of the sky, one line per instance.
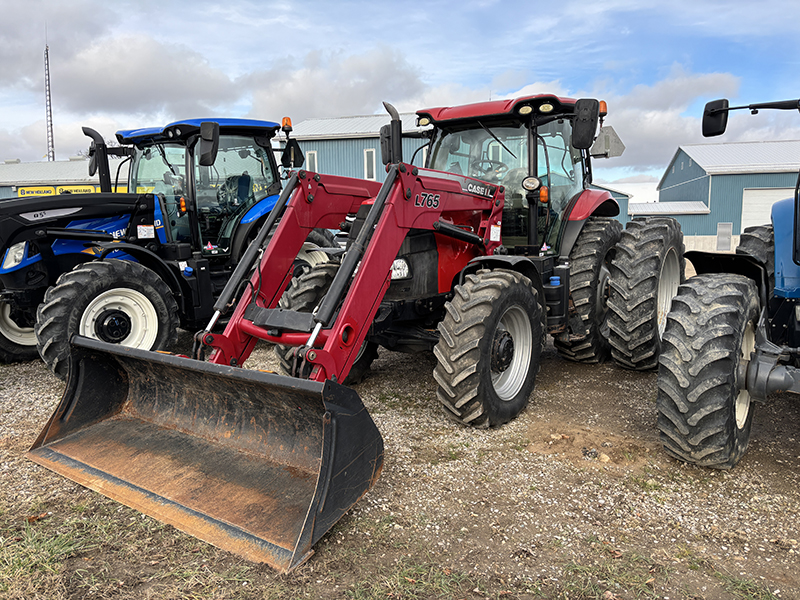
(126, 64)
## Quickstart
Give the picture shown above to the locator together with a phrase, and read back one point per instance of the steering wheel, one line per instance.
(487, 166)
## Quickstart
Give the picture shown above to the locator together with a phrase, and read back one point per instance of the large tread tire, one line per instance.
(97, 292)
(303, 295)
(759, 242)
(703, 416)
(483, 380)
(589, 272)
(645, 275)
(16, 343)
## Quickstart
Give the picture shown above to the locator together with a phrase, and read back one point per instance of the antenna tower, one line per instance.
(51, 149)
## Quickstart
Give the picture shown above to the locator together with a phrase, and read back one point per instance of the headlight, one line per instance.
(400, 269)
(15, 255)
(531, 183)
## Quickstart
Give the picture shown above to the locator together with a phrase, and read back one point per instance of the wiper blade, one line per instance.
(497, 139)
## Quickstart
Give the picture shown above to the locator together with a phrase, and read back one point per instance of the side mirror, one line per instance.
(209, 143)
(92, 160)
(584, 126)
(292, 157)
(715, 118)
(607, 145)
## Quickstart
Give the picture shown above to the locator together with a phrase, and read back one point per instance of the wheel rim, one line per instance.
(668, 281)
(511, 351)
(601, 301)
(121, 316)
(23, 336)
(741, 405)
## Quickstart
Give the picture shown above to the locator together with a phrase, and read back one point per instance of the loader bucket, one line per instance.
(252, 462)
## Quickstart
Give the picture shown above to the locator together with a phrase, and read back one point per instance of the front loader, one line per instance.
(437, 259)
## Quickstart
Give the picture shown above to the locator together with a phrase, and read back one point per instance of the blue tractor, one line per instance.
(130, 268)
(732, 336)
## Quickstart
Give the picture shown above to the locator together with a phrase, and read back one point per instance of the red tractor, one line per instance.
(496, 243)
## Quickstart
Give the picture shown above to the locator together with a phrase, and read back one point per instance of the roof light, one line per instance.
(423, 121)
(546, 108)
(603, 108)
(286, 124)
(525, 110)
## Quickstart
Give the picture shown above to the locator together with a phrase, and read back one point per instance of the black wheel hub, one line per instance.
(112, 326)
(502, 351)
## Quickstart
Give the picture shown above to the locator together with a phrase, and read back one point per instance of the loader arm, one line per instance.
(410, 198)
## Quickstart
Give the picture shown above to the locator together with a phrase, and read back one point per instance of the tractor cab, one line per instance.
(493, 142)
(203, 198)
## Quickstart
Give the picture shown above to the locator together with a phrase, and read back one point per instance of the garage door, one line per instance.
(756, 204)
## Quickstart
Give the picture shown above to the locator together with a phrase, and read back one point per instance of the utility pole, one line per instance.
(51, 149)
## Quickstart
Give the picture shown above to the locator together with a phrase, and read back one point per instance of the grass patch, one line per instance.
(745, 588)
(411, 580)
(35, 551)
(615, 571)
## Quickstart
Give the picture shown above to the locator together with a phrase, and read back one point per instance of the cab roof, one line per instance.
(497, 108)
(182, 129)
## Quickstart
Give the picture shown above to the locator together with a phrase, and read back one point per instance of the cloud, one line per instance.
(332, 84)
(141, 75)
(653, 121)
(64, 26)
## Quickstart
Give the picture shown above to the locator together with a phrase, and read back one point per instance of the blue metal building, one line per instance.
(717, 190)
(350, 146)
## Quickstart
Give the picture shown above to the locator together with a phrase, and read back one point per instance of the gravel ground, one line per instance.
(574, 499)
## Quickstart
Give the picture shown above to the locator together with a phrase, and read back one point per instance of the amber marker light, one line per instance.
(544, 195)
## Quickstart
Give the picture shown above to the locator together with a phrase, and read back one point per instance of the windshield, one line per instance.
(241, 176)
(499, 154)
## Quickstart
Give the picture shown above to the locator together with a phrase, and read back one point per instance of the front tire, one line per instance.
(17, 343)
(115, 301)
(645, 275)
(490, 344)
(589, 275)
(704, 411)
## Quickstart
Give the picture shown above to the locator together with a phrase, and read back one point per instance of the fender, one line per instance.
(589, 203)
(150, 260)
(739, 264)
(520, 264)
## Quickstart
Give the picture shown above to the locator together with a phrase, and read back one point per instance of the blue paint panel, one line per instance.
(260, 209)
(115, 226)
(787, 273)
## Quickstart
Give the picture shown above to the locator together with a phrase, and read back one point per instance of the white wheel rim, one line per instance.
(140, 311)
(668, 281)
(507, 384)
(22, 336)
(311, 254)
(742, 403)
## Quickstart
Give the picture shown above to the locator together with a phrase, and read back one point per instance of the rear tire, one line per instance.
(645, 275)
(16, 343)
(490, 344)
(116, 301)
(703, 415)
(589, 274)
(303, 295)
